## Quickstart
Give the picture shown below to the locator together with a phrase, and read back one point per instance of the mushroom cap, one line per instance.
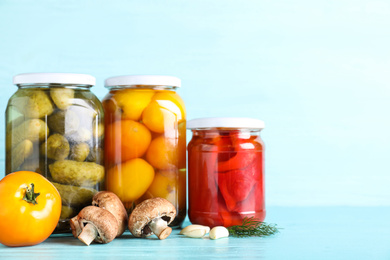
(148, 210)
(104, 222)
(110, 201)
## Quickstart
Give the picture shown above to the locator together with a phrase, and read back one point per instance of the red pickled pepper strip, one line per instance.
(224, 147)
(228, 218)
(252, 206)
(203, 167)
(255, 199)
(235, 185)
(240, 159)
(236, 176)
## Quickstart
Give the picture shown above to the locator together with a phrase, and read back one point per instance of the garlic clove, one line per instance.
(194, 227)
(195, 233)
(218, 232)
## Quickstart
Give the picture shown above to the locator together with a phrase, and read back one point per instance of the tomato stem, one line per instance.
(31, 196)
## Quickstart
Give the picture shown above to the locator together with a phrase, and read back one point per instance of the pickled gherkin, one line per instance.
(32, 129)
(56, 147)
(86, 174)
(75, 196)
(32, 103)
(64, 122)
(79, 152)
(62, 97)
(19, 154)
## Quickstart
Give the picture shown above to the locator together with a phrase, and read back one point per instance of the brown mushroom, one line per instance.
(109, 201)
(75, 226)
(96, 224)
(152, 216)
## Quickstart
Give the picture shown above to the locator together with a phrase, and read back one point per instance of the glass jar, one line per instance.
(225, 171)
(145, 142)
(55, 127)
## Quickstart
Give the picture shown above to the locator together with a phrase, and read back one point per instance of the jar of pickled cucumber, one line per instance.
(225, 171)
(55, 127)
(145, 141)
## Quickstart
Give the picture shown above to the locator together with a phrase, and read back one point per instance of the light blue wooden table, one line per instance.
(308, 233)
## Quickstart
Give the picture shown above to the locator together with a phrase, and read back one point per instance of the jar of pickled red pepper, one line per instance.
(225, 171)
(54, 126)
(145, 141)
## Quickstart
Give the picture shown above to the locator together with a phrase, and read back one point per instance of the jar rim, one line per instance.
(54, 78)
(142, 80)
(225, 122)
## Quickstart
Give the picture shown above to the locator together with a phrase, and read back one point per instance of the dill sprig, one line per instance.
(251, 227)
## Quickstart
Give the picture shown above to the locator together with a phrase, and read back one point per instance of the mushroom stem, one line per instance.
(88, 234)
(160, 228)
(75, 226)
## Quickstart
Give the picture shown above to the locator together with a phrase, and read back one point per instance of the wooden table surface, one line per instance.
(307, 233)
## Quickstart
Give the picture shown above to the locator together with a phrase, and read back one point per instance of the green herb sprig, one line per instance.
(251, 227)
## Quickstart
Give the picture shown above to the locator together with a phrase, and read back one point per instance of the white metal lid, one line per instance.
(60, 78)
(225, 122)
(153, 80)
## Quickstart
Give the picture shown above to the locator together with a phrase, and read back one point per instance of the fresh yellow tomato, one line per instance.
(30, 207)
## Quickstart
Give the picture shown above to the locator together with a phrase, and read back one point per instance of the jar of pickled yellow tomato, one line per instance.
(54, 126)
(145, 141)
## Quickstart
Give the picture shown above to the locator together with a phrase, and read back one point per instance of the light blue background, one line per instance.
(317, 73)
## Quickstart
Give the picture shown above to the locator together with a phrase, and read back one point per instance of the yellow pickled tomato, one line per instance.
(130, 179)
(125, 140)
(131, 103)
(169, 185)
(164, 185)
(157, 118)
(163, 112)
(174, 98)
(162, 153)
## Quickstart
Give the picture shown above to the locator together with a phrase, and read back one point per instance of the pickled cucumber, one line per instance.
(19, 154)
(32, 103)
(32, 129)
(67, 212)
(75, 196)
(85, 174)
(62, 97)
(56, 147)
(79, 152)
(64, 122)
